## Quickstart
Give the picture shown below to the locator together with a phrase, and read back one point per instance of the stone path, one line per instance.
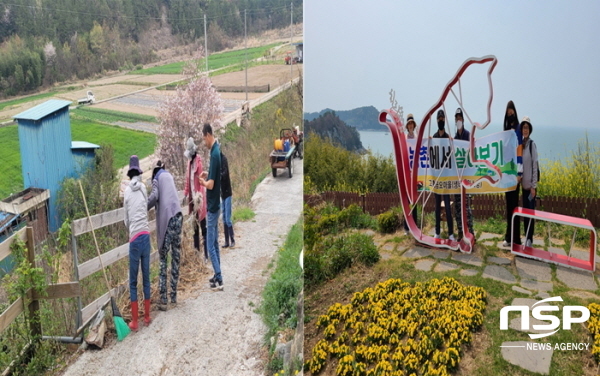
(532, 278)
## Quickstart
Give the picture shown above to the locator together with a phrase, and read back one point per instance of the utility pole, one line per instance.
(291, 36)
(205, 45)
(246, 52)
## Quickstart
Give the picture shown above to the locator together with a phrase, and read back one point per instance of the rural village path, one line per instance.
(215, 333)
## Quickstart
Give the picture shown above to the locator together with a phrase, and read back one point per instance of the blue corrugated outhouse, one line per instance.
(46, 157)
(83, 153)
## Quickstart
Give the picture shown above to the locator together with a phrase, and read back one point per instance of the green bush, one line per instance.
(389, 221)
(337, 253)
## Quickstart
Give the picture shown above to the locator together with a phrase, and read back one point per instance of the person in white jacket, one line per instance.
(136, 220)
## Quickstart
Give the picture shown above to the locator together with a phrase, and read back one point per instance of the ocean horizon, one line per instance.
(553, 143)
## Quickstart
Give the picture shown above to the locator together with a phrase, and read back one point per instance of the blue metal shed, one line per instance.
(45, 142)
(83, 154)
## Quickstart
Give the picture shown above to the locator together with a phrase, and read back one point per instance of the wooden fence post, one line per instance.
(34, 304)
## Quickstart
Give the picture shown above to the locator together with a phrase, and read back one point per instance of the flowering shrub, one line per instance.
(399, 329)
(594, 328)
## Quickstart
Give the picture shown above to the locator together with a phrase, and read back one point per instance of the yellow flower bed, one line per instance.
(594, 328)
(398, 329)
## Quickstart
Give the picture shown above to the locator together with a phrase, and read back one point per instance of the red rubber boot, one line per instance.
(133, 325)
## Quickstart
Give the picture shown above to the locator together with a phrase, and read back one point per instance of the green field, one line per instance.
(30, 98)
(124, 141)
(215, 61)
(109, 116)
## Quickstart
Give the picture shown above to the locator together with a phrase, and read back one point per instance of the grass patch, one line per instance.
(124, 141)
(243, 213)
(280, 295)
(215, 61)
(109, 116)
(11, 178)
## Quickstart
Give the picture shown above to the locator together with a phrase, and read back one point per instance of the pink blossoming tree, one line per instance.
(183, 115)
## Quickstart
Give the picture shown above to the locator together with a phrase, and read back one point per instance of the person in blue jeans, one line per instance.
(226, 194)
(212, 182)
(136, 221)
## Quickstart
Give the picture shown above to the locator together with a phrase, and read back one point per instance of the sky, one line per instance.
(548, 55)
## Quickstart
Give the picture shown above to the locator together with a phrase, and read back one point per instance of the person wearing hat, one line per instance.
(195, 194)
(462, 134)
(441, 133)
(136, 221)
(212, 182)
(411, 125)
(530, 176)
(511, 123)
(169, 220)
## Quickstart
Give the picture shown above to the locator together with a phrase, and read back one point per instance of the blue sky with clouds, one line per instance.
(548, 56)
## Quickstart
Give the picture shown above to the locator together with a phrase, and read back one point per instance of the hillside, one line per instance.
(330, 126)
(362, 118)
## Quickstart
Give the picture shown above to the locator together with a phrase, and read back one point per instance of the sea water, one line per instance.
(553, 143)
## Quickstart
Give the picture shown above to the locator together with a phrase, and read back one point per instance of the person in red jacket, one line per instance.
(195, 194)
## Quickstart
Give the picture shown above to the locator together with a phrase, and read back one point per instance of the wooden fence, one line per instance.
(53, 291)
(85, 269)
(484, 206)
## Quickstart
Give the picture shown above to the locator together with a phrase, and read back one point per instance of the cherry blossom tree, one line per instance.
(183, 115)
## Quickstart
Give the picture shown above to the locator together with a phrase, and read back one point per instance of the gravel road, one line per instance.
(215, 333)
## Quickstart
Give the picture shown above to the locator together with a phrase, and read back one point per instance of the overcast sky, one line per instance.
(548, 56)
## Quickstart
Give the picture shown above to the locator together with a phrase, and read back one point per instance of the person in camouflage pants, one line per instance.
(457, 214)
(173, 242)
(168, 229)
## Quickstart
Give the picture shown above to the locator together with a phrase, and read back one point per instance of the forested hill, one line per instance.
(48, 41)
(363, 118)
(330, 126)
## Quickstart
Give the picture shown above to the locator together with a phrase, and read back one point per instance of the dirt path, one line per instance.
(216, 333)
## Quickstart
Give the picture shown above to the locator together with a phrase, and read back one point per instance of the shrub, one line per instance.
(337, 253)
(389, 221)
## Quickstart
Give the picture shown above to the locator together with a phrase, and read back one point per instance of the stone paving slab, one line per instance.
(499, 273)
(557, 241)
(417, 252)
(542, 295)
(499, 260)
(444, 266)
(557, 250)
(531, 360)
(424, 265)
(539, 242)
(576, 279)
(582, 255)
(440, 254)
(467, 259)
(369, 233)
(533, 269)
(515, 324)
(389, 247)
(584, 295)
(468, 272)
(385, 256)
(528, 302)
(536, 285)
(521, 290)
(487, 235)
(490, 243)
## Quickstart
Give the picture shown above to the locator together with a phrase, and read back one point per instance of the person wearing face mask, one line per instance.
(511, 122)
(410, 127)
(530, 176)
(441, 133)
(195, 194)
(462, 134)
